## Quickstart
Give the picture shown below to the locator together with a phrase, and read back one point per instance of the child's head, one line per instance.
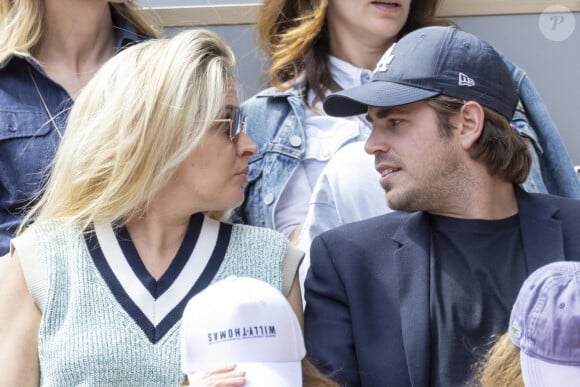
(545, 325)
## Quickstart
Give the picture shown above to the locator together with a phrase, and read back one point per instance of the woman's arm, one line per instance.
(19, 325)
(295, 300)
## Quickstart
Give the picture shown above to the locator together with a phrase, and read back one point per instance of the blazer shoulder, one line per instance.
(561, 205)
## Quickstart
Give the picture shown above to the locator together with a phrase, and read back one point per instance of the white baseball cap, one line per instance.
(244, 321)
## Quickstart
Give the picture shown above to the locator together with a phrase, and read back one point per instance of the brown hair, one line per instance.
(499, 147)
(311, 377)
(501, 366)
(293, 34)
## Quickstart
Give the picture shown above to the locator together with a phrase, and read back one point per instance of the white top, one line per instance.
(325, 135)
(348, 190)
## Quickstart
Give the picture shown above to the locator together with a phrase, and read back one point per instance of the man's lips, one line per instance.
(386, 170)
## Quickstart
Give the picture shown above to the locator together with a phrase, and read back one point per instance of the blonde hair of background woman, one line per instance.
(501, 366)
(21, 24)
(135, 121)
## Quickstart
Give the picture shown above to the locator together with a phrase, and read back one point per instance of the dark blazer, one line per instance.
(367, 291)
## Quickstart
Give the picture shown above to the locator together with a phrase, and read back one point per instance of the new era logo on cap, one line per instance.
(464, 80)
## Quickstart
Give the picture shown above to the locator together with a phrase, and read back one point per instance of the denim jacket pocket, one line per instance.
(28, 143)
(22, 124)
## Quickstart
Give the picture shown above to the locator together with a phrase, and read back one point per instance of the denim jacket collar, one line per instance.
(297, 88)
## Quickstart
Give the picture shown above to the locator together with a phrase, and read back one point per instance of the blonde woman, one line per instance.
(49, 49)
(155, 149)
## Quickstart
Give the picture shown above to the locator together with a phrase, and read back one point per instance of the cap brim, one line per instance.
(355, 101)
(279, 374)
(537, 372)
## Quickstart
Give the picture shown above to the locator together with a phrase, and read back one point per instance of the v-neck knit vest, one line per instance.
(87, 338)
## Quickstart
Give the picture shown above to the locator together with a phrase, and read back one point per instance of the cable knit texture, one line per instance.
(87, 338)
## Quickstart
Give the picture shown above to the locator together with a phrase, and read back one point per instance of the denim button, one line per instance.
(365, 77)
(268, 199)
(295, 141)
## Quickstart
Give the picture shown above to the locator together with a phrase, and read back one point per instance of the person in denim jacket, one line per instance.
(279, 121)
(43, 66)
(316, 47)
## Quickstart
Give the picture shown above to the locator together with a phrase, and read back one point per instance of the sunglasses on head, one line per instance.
(237, 122)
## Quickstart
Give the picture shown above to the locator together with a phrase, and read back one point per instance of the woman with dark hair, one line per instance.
(316, 47)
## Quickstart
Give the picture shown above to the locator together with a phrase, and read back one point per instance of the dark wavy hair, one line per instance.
(293, 34)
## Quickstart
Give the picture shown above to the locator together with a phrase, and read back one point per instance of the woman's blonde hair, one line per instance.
(501, 366)
(134, 122)
(22, 24)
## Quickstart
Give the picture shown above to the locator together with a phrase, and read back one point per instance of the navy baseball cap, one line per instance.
(428, 62)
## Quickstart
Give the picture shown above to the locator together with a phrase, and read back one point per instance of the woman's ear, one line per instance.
(472, 118)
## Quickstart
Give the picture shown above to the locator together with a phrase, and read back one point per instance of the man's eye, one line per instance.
(394, 122)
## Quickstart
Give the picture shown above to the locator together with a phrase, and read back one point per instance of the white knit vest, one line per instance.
(87, 338)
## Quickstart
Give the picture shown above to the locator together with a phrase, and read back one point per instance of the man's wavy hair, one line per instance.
(499, 147)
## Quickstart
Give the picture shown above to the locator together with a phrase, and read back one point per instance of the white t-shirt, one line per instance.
(324, 136)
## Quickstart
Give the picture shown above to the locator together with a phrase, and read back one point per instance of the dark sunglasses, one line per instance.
(237, 122)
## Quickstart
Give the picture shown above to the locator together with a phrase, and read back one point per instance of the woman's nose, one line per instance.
(246, 146)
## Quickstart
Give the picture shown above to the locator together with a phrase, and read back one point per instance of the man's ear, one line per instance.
(472, 119)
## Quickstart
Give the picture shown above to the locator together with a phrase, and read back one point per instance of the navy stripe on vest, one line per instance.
(156, 288)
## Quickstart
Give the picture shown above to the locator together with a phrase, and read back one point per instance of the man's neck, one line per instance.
(491, 200)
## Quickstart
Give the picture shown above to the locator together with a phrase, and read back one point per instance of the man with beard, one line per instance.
(412, 298)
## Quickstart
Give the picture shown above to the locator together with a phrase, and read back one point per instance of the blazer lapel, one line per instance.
(541, 232)
(412, 265)
(542, 242)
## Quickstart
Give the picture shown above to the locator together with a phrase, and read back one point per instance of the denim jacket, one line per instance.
(28, 137)
(552, 169)
(276, 121)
